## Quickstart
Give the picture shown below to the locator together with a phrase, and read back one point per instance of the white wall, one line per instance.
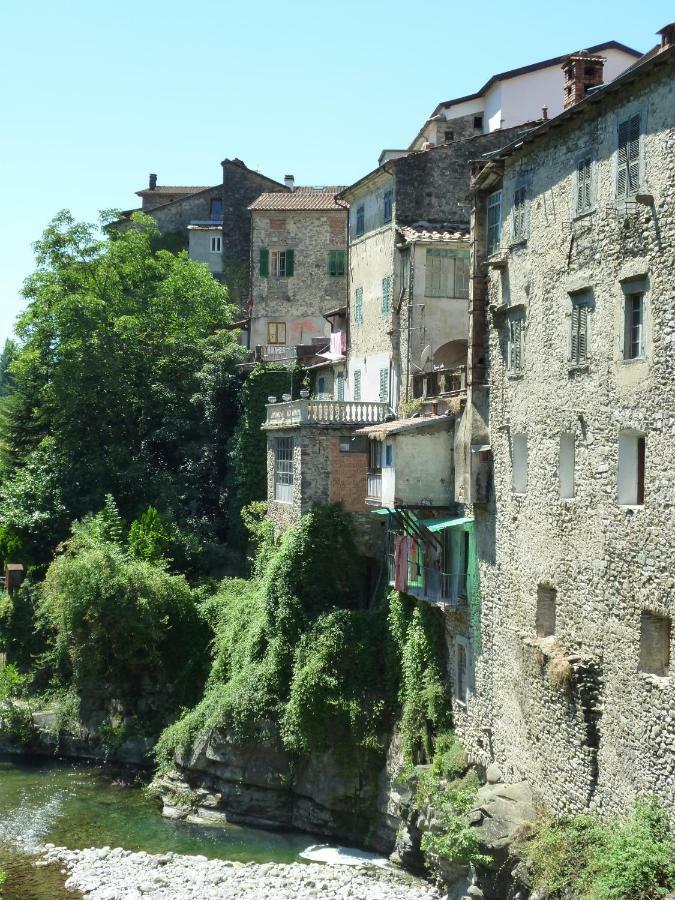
(370, 366)
(423, 469)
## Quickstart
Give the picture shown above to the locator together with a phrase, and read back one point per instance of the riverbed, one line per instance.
(104, 833)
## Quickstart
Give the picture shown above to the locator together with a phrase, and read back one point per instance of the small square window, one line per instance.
(478, 122)
(449, 135)
(216, 244)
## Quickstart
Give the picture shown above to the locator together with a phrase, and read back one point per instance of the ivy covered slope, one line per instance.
(300, 652)
(122, 380)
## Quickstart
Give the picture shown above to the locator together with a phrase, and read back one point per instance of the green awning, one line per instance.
(442, 524)
(382, 511)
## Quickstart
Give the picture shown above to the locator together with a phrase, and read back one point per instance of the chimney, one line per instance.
(544, 113)
(667, 35)
(152, 181)
(581, 71)
(289, 181)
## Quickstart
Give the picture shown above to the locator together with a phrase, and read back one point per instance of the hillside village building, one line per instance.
(571, 390)
(299, 272)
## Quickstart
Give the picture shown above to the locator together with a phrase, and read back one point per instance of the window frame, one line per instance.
(216, 243)
(443, 274)
(337, 263)
(631, 468)
(384, 385)
(360, 220)
(357, 385)
(519, 214)
(276, 324)
(629, 325)
(584, 187)
(520, 453)
(580, 330)
(388, 203)
(493, 245)
(218, 200)
(284, 448)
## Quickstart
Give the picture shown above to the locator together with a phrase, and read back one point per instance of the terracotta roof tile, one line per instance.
(301, 198)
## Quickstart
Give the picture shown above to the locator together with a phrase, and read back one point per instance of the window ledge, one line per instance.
(578, 368)
(515, 376)
(518, 242)
(581, 216)
(634, 361)
(660, 681)
(567, 499)
(631, 507)
(498, 259)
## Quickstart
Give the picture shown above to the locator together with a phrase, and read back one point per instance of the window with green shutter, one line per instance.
(579, 336)
(357, 384)
(290, 263)
(628, 159)
(386, 295)
(384, 385)
(584, 173)
(264, 262)
(337, 263)
(358, 306)
(340, 386)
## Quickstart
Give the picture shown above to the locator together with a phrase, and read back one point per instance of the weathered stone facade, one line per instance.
(295, 304)
(574, 690)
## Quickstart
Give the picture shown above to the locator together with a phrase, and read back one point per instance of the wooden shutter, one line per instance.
(358, 306)
(357, 384)
(290, 261)
(384, 385)
(575, 333)
(584, 186)
(583, 332)
(264, 262)
(628, 165)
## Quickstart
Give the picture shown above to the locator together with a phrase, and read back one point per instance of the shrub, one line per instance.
(15, 711)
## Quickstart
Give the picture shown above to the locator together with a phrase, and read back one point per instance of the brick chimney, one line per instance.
(289, 181)
(581, 71)
(152, 181)
(667, 35)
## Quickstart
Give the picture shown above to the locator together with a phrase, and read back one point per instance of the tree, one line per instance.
(125, 383)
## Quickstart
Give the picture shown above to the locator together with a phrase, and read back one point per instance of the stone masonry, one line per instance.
(574, 684)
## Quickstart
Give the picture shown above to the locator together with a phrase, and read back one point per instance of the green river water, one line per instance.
(76, 805)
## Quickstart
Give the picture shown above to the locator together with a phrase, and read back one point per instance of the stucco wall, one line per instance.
(422, 469)
(200, 248)
(611, 736)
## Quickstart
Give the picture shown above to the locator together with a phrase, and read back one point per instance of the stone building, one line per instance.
(299, 270)
(212, 223)
(571, 392)
(408, 272)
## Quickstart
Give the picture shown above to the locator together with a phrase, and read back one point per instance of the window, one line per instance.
(216, 244)
(276, 332)
(446, 274)
(566, 461)
(375, 456)
(494, 223)
(357, 384)
(264, 262)
(631, 476)
(216, 209)
(462, 677)
(579, 332)
(388, 455)
(384, 385)
(519, 215)
(283, 469)
(321, 387)
(478, 122)
(633, 331)
(514, 355)
(360, 220)
(628, 158)
(519, 464)
(336, 263)
(358, 306)
(340, 386)
(448, 136)
(584, 174)
(386, 295)
(388, 204)
(655, 634)
(282, 263)
(545, 621)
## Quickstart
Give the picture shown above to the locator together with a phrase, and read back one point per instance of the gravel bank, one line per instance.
(105, 874)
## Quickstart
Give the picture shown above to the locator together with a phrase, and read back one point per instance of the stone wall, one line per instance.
(607, 734)
(177, 215)
(300, 300)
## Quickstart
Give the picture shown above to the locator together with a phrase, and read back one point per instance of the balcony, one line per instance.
(440, 382)
(434, 586)
(374, 486)
(325, 412)
(276, 353)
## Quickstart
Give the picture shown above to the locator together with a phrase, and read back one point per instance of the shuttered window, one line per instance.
(519, 214)
(384, 385)
(388, 203)
(579, 335)
(336, 263)
(358, 306)
(282, 263)
(340, 386)
(628, 164)
(494, 223)
(515, 345)
(386, 295)
(264, 262)
(446, 273)
(357, 384)
(360, 220)
(584, 170)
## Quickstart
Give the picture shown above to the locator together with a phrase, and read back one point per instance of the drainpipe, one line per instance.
(410, 289)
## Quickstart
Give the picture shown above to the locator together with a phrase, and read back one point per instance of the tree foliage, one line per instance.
(124, 381)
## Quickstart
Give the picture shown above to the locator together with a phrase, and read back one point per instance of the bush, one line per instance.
(586, 858)
(15, 711)
(21, 636)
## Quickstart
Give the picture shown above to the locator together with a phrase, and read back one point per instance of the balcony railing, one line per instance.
(374, 486)
(276, 352)
(325, 412)
(440, 382)
(429, 583)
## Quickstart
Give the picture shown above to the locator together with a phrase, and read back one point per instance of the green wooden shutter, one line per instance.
(386, 294)
(574, 351)
(384, 385)
(583, 333)
(290, 262)
(358, 306)
(340, 386)
(264, 262)
(357, 384)
(633, 155)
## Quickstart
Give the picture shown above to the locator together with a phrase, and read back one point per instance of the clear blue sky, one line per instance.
(96, 95)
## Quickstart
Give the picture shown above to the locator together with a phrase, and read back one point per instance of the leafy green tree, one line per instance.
(125, 383)
(6, 357)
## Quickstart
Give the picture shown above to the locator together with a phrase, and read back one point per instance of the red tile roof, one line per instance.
(302, 198)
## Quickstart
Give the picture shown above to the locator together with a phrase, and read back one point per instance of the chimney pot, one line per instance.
(667, 35)
(289, 181)
(544, 112)
(152, 181)
(581, 72)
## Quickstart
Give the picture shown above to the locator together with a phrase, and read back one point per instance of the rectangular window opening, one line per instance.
(655, 637)
(514, 360)
(360, 220)
(546, 603)
(282, 263)
(566, 462)
(216, 244)
(494, 223)
(216, 209)
(283, 470)
(631, 474)
(358, 306)
(357, 384)
(337, 263)
(446, 273)
(386, 295)
(628, 158)
(276, 333)
(519, 215)
(633, 344)
(388, 206)
(584, 173)
(384, 385)
(519, 455)
(579, 330)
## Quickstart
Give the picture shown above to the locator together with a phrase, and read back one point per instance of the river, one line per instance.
(75, 805)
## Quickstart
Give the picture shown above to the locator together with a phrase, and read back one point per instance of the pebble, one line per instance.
(105, 874)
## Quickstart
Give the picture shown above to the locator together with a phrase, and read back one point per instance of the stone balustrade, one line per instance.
(325, 412)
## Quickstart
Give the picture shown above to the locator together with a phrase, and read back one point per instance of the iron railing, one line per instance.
(430, 583)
